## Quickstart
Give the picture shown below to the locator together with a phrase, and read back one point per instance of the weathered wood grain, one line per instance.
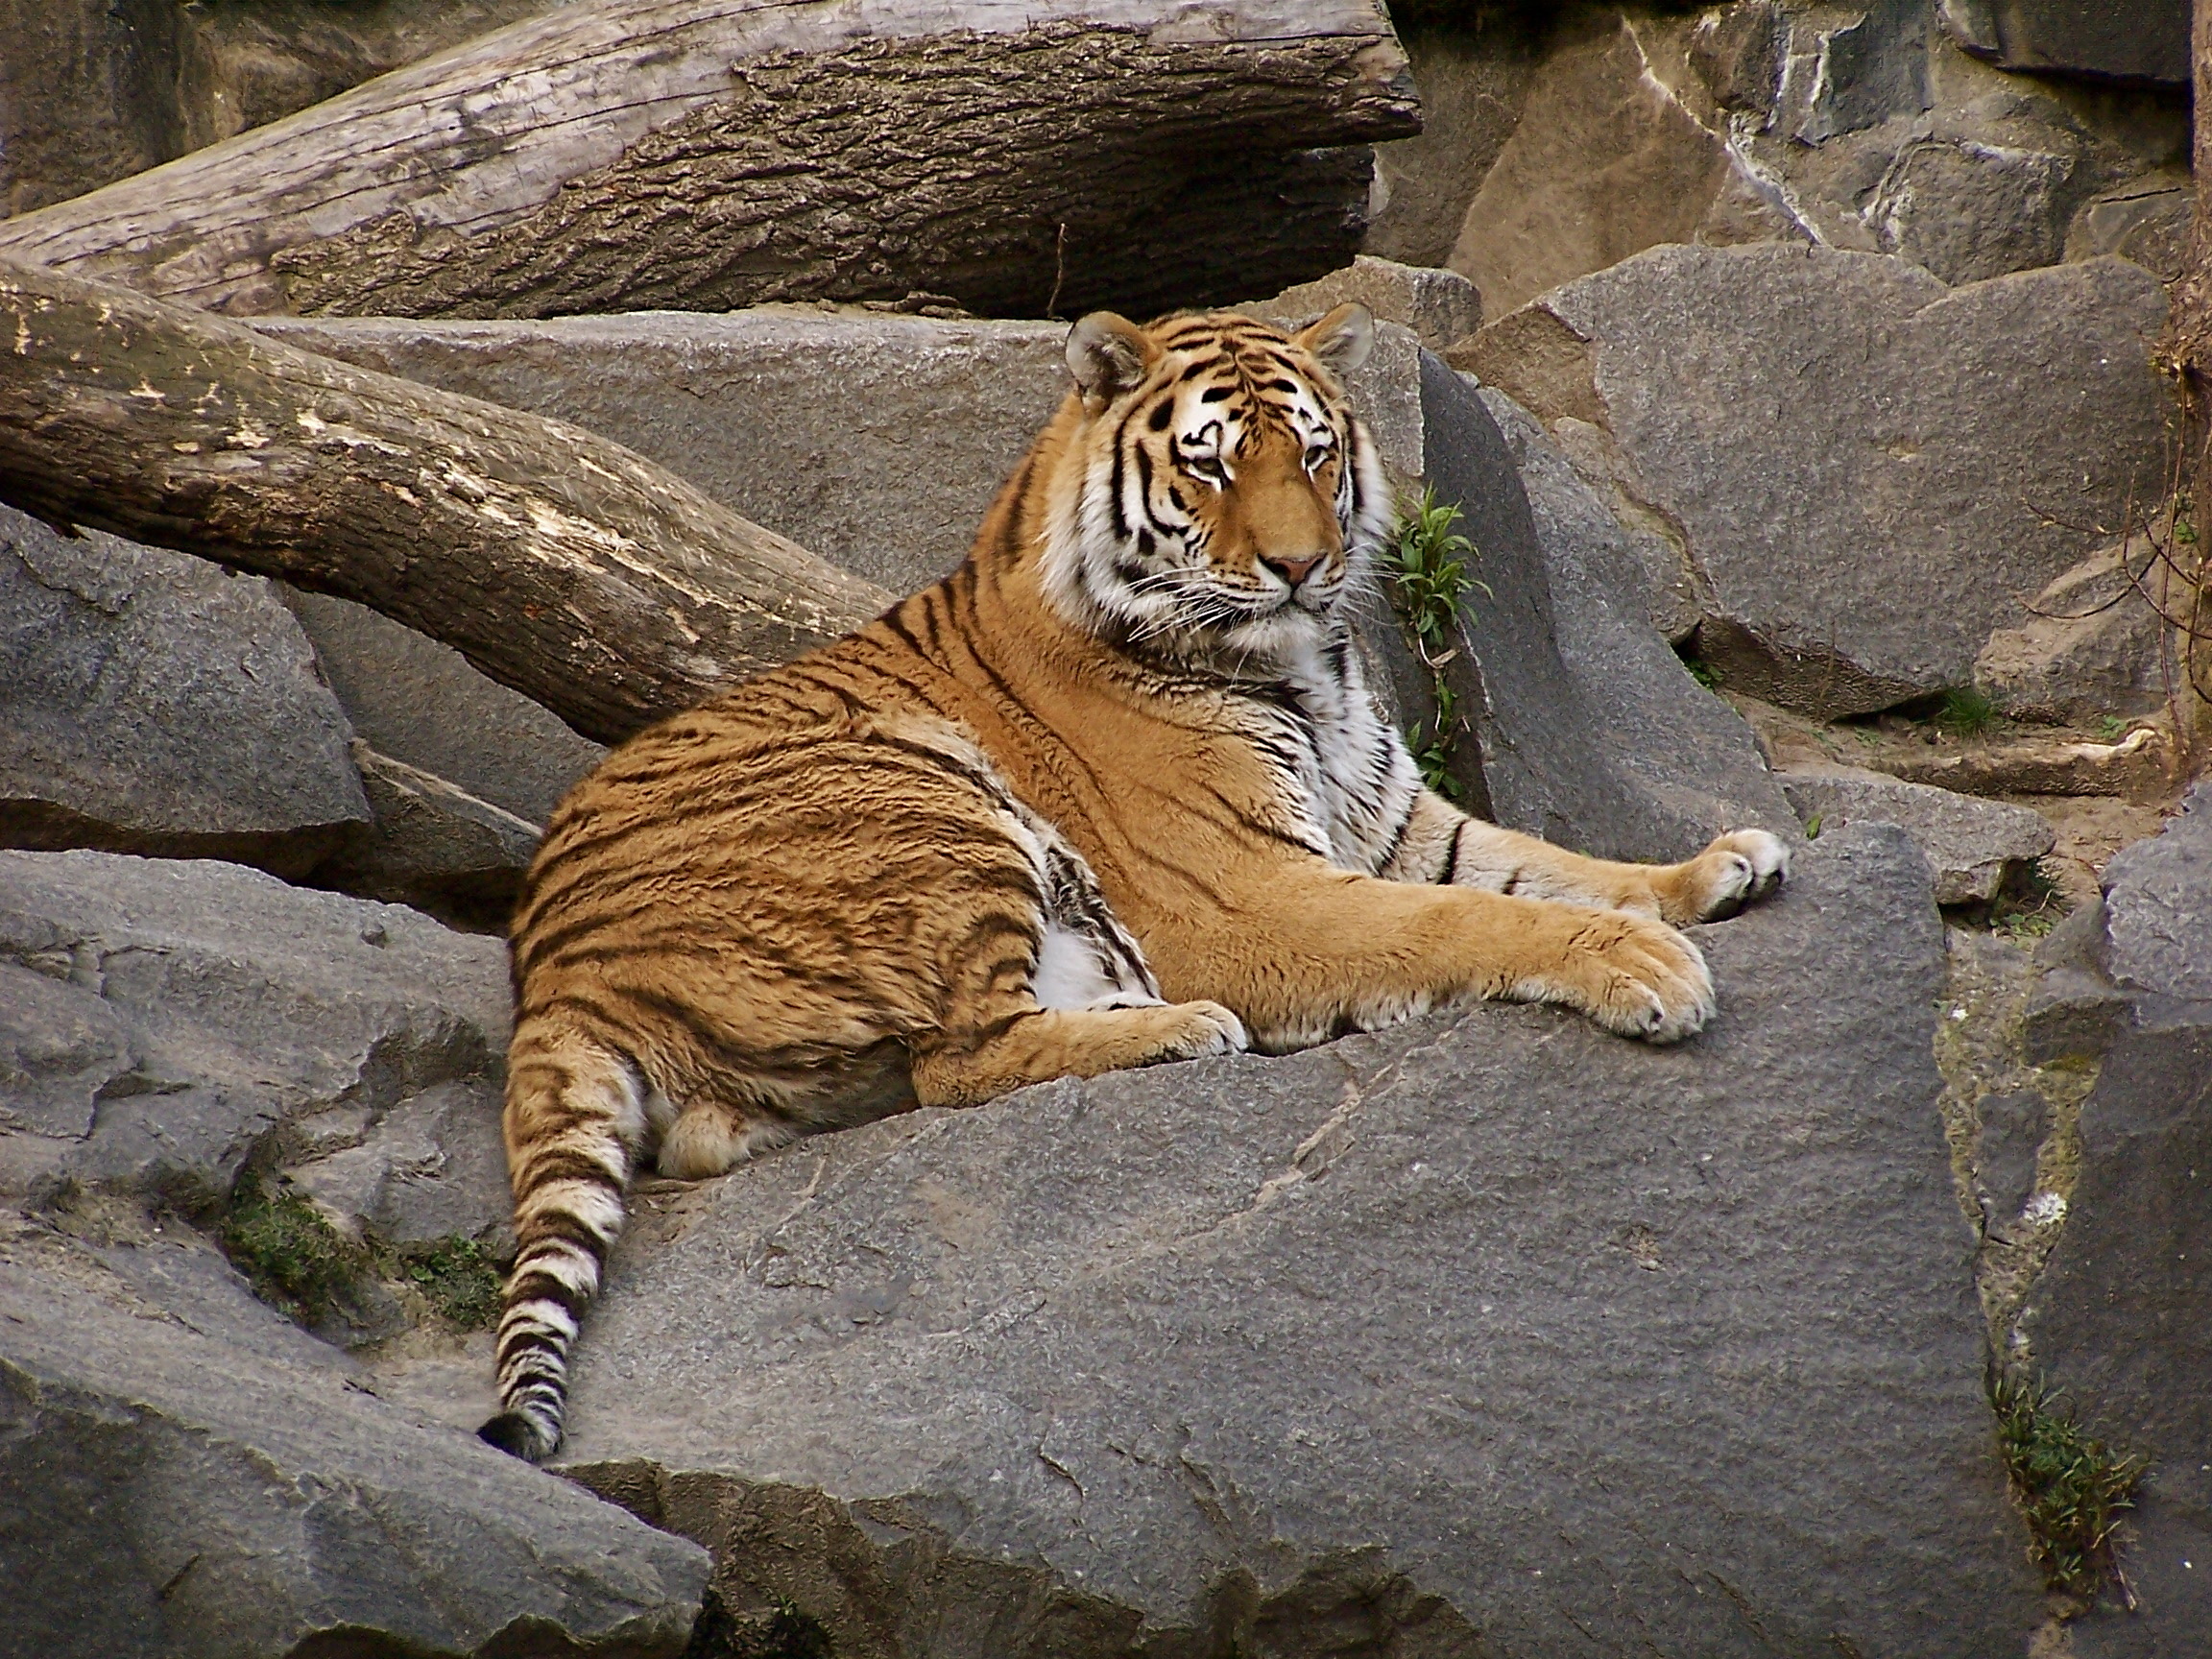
(562, 565)
(1016, 156)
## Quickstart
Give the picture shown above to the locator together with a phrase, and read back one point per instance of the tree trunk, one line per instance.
(1021, 157)
(560, 563)
(2186, 599)
(2189, 332)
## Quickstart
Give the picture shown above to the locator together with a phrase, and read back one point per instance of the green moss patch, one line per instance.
(293, 1258)
(2072, 1488)
(460, 1280)
(299, 1262)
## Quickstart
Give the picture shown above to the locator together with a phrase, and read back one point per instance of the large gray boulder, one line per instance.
(1439, 307)
(2122, 1315)
(1586, 728)
(185, 1482)
(876, 441)
(1605, 160)
(2158, 907)
(2141, 40)
(1823, 432)
(152, 703)
(167, 1024)
(1491, 1335)
(1556, 144)
(1471, 88)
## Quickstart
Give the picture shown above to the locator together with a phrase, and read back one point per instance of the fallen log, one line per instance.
(1019, 157)
(562, 565)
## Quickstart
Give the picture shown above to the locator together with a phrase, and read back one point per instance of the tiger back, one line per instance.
(1114, 793)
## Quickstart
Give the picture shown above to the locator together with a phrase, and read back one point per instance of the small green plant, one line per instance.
(1703, 672)
(1965, 713)
(2110, 728)
(460, 1280)
(2072, 1488)
(2030, 906)
(1431, 576)
(1433, 748)
(291, 1255)
(1429, 586)
(1813, 827)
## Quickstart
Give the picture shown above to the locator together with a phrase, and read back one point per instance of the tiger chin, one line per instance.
(1111, 794)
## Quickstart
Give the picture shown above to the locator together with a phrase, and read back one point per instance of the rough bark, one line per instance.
(2189, 335)
(1016, 156)
(562, 565)
(2187, 355)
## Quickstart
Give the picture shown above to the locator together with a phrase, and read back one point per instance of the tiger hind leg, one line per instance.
(1040, 1043)
(1089, 1005)
(579, 1116)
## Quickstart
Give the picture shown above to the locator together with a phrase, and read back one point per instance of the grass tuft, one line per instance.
(1965, 713)
(1431, 576)
(2072, 1488)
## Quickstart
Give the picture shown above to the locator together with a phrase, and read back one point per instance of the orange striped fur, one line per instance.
(1111, 794)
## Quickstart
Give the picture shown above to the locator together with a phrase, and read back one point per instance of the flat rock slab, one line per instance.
(1973, 846)
(164, 1022)
(152, 703)
(435, 846)
(2131, 40)
(1590, 733)
(2122, 1315)
(1490, 1334)
(172, 1495)
(1867, 470)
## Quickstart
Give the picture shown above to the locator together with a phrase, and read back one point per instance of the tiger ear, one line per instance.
(1108, 355)
(1342, 339)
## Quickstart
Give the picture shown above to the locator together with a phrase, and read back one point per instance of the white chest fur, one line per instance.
(1347, 780)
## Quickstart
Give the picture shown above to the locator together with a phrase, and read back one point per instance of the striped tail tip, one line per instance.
(519, 1435)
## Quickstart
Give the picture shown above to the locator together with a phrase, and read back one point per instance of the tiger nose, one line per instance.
(1292, 571)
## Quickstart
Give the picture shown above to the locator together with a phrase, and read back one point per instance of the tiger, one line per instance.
(1112, 793)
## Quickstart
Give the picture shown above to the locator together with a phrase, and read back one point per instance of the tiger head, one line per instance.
(1215, 498)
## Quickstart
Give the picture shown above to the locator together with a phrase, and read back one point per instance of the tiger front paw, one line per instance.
(1634, 977)
(1736, 869)
(1194, 1030)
